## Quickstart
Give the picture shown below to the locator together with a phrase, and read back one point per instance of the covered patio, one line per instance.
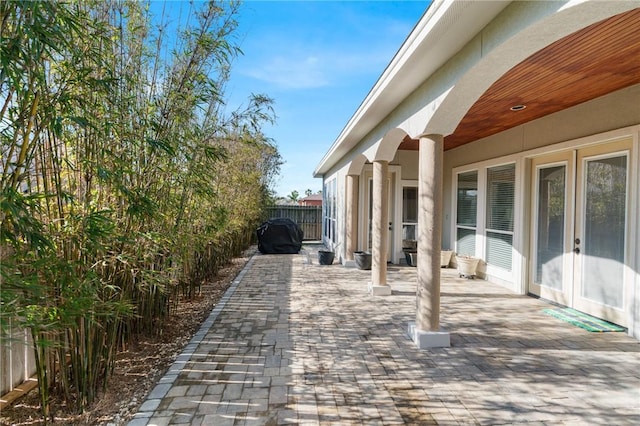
(295, 342)
(499, 131)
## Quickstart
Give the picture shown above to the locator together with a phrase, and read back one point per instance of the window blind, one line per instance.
(466, 213)
(499, 250)
(466, 242)
(410, 204)
(467, 199)
(500, 195)
(500, 201)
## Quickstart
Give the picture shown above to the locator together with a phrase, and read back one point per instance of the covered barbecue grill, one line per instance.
(279, 236)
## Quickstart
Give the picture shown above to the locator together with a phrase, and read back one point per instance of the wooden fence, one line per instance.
(309, 218)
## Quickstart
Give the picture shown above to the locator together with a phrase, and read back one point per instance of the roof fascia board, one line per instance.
(383, 80)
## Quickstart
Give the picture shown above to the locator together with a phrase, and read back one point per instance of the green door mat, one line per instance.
(583, 320)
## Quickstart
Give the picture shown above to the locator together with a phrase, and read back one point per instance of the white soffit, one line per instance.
(445, 28)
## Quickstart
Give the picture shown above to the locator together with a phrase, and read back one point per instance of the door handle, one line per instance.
(576, 250)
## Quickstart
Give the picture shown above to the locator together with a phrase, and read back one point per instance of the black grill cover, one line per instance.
(279, 236)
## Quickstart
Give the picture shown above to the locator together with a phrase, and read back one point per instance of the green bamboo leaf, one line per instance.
(160, 145)
(81, 121)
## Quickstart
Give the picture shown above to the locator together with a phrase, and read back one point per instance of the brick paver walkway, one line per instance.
(294, 342)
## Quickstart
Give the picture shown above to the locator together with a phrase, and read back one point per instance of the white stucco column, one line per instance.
(380, 230)
(426, 332)
(351, 237)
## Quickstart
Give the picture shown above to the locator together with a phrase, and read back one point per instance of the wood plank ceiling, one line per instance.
(599, 59)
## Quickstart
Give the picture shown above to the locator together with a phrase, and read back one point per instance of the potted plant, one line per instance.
(467, 266)
(363, 259)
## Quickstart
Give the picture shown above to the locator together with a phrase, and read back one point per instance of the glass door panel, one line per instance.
(499, 221)
(605, 194)
(552, 227)
(601, 228)
(409, 214)
(466, 213)
(551, 192)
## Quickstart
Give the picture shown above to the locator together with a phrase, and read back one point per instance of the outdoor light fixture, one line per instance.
(518, 107)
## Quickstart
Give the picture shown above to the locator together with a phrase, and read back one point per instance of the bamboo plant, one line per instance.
(125, 184)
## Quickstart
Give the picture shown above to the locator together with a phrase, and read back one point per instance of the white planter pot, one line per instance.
(467, 266)
(445, 258)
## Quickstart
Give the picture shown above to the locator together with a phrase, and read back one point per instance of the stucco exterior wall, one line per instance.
(409, 162)
(616, 110)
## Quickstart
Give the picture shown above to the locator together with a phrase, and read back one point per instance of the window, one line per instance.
(409, 213)
(466, 213)
(329, 210)
(499, 211)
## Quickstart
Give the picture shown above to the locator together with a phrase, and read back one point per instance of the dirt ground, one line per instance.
(138, 368)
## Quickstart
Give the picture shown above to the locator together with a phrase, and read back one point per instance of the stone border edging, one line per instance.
(152, 401)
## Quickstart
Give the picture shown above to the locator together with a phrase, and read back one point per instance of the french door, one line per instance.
(580, 209)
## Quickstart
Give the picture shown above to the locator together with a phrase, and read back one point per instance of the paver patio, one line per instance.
(294, 342)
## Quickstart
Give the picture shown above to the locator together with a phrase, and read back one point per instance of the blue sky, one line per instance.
(317, 60)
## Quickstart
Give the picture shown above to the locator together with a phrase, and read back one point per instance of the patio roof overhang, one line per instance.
(598, 59)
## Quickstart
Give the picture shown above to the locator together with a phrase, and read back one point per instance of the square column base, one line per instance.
(428, 339)
(379, 290)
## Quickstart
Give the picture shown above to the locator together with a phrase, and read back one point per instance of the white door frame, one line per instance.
(566, 159)
(575, 160)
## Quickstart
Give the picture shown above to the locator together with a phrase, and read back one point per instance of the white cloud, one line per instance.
(314, 70)
(293, 72)
(309, 45)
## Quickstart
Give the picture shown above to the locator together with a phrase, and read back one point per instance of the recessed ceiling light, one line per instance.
(518, 107)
